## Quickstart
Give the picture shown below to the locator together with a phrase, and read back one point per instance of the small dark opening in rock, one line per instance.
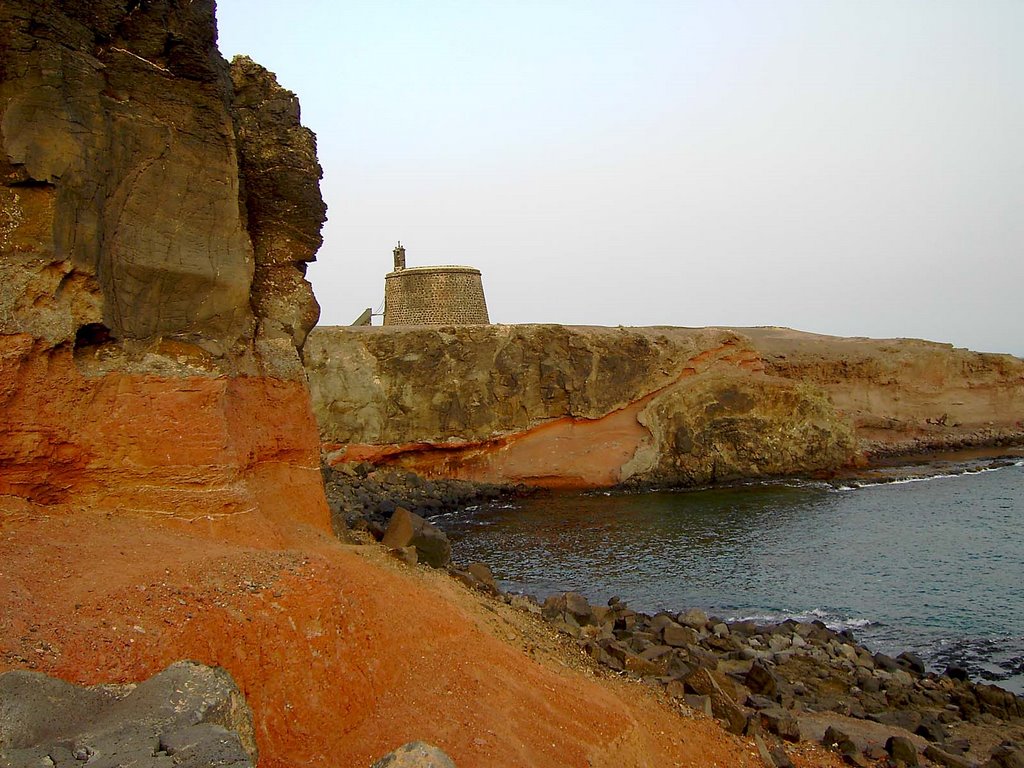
(27, 182)
(92, 335)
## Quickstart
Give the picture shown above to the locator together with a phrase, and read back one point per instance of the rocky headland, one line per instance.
(161, 497)
(584, 407)
(160, 488)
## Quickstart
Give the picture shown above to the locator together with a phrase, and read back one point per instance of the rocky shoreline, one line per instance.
(800, 681)
(777, 683)
(363, 498)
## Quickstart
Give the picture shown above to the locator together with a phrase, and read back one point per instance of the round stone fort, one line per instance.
(440, 295)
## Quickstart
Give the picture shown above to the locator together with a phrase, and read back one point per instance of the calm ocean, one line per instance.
(930, 564)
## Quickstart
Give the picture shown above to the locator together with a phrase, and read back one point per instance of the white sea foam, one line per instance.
(831, 620)
(857, 485)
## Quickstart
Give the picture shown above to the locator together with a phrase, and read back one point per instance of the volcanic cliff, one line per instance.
(160, 492)
(152, 297)
(579, 407)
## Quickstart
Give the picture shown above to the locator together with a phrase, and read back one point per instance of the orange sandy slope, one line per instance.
(342, 653)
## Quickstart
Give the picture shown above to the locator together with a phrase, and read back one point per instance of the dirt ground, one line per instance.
(342, 652)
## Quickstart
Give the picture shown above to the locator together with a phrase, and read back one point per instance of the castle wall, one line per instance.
(434, 296)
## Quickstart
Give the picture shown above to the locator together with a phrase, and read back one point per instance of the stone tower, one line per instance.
(442, 295)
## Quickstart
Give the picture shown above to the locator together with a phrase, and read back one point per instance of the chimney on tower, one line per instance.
(399, 256)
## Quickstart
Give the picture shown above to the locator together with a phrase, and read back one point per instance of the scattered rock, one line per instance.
(694, 618)
(722, 705)
(409, 529)
(773, 755)
(361, 496)
(415, 754)
(761, 680)
(902, 749)
(484, 577)
(911, 662)
(781, 723)
(1006, 755)
(840, 742)
(400, 531)
(956, 673)
(679, 636)
(751, 687)
(941, 757)
(189, 714)
(577, 605)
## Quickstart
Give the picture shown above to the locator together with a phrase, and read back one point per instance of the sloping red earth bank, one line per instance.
(341, 654)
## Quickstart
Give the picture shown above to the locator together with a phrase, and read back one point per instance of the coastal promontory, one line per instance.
(161, 496)
(565, 406)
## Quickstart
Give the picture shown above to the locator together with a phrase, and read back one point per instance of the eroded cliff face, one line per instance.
(157, 209)
(120, 169)
(280, 172)
(904, 395)
(589, 407)
(568, 406)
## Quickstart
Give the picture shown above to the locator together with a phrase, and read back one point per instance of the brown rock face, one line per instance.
(138, 174)
(196, 449)
(729, 425)
(904, 395)
(583, 407)
(120, 174)
(285, 211)
(568, 407)
(148, 352)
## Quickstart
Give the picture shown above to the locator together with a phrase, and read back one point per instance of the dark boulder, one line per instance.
(762, 680)
(781, 723)
(189, 714)
(886, 663)
(704, 683)
(911, 662)
(957, 673)
(409, 529)
(578, 607)
(946, 759)
(840, 742)
(902, 749)
(1007, 755)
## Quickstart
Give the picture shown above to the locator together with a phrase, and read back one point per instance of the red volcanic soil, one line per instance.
(342, 653)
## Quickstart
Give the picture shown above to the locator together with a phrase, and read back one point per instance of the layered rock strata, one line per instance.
(904, 395)
(157, 209)
(587, 407)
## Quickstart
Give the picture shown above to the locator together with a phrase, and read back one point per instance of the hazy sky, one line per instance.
(854, 168)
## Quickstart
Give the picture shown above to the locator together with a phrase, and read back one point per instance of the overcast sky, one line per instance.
(852, 168)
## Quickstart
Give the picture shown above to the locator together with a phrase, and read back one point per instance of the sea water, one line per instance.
(931, 563)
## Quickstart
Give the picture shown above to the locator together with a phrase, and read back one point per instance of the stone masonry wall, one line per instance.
(434, 296)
